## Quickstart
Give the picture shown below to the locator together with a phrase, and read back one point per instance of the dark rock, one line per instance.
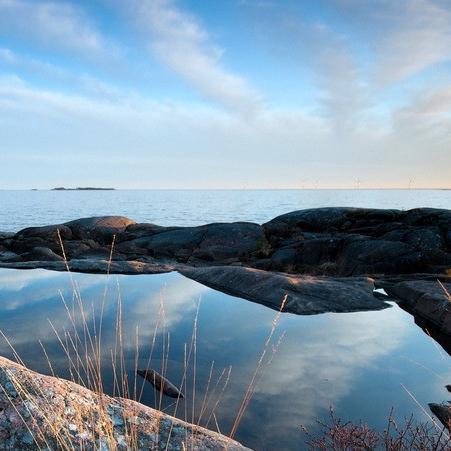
(42, 254)
(306, 295)
(101, 228)
(284, 259)
(372, 256)
(428, 299)
(443, 413)
(328, 241)
(238, 240)
(160, 383)
(139, 230)
(134, 247)
(75, 248)
(95, 266)
(23, 245)
(47, 233)
(448, 237)
(212, 242)
(6, 256)
(428, 217)
(325, 219)
(178, 244)
(6, 235)
(315, 219)
(309, 256)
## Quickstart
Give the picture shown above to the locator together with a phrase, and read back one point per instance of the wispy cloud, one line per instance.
(418, 38)
(180, 41)
(406, 36)
(56, 25)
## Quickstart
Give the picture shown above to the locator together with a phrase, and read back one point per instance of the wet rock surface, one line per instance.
(43, 412)
(428, 299)
(332, 242)
(305, 295)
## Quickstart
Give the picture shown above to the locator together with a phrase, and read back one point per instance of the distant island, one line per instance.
(87, 188)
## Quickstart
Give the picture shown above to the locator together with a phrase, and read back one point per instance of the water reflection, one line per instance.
(354, 361)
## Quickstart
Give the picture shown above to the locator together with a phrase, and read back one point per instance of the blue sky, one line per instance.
(225, 93)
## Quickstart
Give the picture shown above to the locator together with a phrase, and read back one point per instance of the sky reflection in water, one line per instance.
(354, 361)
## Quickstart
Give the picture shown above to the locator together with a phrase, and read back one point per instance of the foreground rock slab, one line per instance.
(306, 295)
(43, 412)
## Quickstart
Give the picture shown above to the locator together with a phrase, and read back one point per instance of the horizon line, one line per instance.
(243, 189)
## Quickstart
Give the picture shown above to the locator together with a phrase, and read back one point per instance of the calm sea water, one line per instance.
(355, 362)
(19, 209)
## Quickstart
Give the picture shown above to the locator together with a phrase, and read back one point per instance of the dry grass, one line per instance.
(84, 351)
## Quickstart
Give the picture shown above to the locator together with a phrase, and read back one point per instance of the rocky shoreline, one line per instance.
(316, 261)
(44, 412)
(323, 260)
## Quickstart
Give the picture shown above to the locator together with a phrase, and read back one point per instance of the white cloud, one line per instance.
(132, 136)
(419, 38)
(54, 25)
(406, 36)
(180, 41)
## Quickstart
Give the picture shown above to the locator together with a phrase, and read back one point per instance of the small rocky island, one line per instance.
(82, 188)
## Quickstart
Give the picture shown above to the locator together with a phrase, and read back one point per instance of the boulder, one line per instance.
(238, 240)
(23, 245)
(178, 244)
(334, 218)
(99, 228)
(314, 219)
(47, 233)
(306, 295)
(43, 412)
(211, 242)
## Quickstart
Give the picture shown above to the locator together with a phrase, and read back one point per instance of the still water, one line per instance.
(354, 361)
(19, 209)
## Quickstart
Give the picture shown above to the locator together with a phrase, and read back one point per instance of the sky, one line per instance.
(172, 94)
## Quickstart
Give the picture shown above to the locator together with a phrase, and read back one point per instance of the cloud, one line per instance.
(180, 41)
(420, 38)
(426, 119)
(343, 96)
(406, 36)
(54, 25)
(311, 370)
(132, 136)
